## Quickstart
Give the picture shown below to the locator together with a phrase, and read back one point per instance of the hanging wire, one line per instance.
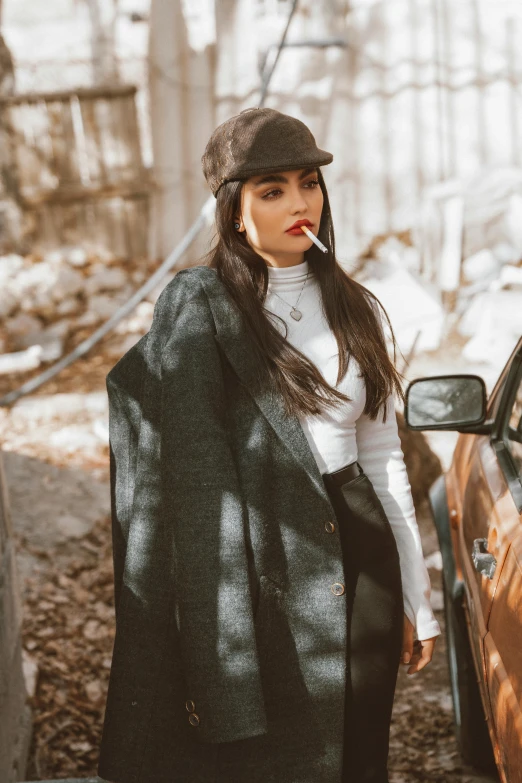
(205, 217)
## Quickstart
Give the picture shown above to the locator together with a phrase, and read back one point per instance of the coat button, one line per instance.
(337, 588)
(193, 719)
(329, 526)
(190, 706)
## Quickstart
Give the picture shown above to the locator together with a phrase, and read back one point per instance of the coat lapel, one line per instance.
(231, 336)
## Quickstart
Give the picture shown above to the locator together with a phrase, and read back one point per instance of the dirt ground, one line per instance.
(57, 466)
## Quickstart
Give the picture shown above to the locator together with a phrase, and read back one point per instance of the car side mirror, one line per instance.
(446, 402)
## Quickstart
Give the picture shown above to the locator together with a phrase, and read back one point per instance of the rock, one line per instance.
(40, 302)
(10, 265)
(8, 302)
(88, 318)
(42, 285)
(138, 276)
(94, 691)
(415, 312)
(71, 526)
(510, 276)
(32, 280)
(505, 253)
(115, 348)
(480, 265)
(68, 282)
(91, 629)
(100, 428)
(103, 306)
(68, 306)
(58, 329)
(156, 291)
(51, 339)
(102, 253)
(30, 671)
(34, 411)
(77, 256)
(52, 349)
(391, 249)
(81, 746)
(74, 438)
(20, 361)
(105, 278)
(54, 257)
(494, 322)
(514, 221)
(22, 325)
(137, 322)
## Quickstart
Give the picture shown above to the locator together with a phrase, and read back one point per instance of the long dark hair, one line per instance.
(350, 308)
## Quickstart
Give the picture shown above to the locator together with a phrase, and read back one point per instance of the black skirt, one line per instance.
(375, 623)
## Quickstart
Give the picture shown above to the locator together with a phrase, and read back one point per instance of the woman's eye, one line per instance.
(268, 196)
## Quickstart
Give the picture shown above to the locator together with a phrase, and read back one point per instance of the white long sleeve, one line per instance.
(341, 435)
(382, 459)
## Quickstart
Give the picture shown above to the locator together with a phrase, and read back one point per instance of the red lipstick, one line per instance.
(295, 228)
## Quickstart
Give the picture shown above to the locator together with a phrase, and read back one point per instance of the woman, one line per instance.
(269, 574)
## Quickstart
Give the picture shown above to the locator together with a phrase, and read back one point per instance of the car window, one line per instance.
(498, 393)
(495, 397)
(514, 427)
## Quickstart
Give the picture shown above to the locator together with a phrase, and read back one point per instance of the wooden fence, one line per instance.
(428, 91)
(79, 168)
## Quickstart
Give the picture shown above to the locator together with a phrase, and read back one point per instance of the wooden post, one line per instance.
(15, 715)
(10, 211)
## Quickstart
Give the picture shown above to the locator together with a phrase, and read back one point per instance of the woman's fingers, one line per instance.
(423, 656)
(416, 652)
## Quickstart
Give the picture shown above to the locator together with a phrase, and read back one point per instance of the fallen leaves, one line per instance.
(68, 634)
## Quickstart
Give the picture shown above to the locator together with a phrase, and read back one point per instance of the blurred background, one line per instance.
(105, 110)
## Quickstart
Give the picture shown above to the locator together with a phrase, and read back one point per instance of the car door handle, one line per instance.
(483, 560)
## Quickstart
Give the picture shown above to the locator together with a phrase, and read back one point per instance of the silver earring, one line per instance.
(236, 225)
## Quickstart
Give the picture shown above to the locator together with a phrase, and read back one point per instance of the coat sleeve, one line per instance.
(206, 515)
(124, 393)
(119, 542)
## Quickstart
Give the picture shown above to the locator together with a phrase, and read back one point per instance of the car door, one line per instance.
(489, 516)
(503, 641)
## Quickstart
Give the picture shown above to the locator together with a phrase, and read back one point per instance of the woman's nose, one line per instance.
(298, 200)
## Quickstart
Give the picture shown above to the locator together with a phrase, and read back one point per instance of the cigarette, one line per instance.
(314, 239)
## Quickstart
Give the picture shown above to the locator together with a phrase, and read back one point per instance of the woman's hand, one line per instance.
(417, 655)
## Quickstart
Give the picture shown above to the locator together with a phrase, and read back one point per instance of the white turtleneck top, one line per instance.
(344, 434)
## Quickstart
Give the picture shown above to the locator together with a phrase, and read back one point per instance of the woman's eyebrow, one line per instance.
(280, 178)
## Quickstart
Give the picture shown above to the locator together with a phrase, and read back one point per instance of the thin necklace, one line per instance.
(294, 312)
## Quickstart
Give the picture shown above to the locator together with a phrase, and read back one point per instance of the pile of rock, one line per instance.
(484, 318)
(491, 302)
(46, 300)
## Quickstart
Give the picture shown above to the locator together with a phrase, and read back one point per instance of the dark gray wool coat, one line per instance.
(229, 656)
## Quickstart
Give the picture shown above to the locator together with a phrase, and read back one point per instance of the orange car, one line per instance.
(477, 509)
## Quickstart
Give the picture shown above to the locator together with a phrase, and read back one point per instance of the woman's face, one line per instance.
(271, 204)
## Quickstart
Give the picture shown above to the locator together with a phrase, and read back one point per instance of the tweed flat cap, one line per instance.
(259, 140)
